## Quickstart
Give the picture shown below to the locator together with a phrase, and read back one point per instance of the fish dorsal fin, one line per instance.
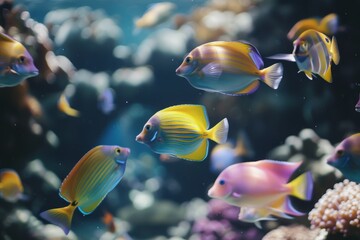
(6, 38)
(198, 112)
(199, 154)
(281, 169)
(335, 56)
(89, 208)
(254, 54)
(327, 76)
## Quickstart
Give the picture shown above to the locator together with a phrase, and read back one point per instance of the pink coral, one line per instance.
(338, 210)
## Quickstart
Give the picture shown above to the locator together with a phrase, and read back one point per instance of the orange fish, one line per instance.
(108, 220)
(11, 188)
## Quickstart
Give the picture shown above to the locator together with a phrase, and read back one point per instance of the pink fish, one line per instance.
(263, 184)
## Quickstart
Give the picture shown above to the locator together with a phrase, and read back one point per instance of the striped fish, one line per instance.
(328, 25)
(313, 53)
(182, 131)
(88, 183)
(232, 68)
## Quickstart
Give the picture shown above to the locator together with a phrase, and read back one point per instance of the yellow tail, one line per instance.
(220, 131)
(60, 216)
(302, 186)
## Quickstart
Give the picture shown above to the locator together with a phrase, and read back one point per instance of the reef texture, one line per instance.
(338, 210)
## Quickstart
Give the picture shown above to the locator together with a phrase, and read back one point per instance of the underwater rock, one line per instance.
(133, 77)
(82, 34)
(338, 210)
(295, 232)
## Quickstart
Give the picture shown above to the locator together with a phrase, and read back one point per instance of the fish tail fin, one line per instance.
(334, 51)
(272, 75)
(302, 186)
(220, 131)
(60, 216)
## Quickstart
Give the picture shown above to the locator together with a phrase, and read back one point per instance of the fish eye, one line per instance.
(222, 182)
(117, 151)
(339, 153)
(327, 40)
(188, 59)
(147, 127)
(21, 59)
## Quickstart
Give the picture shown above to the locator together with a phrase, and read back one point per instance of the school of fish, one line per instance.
(261, 189)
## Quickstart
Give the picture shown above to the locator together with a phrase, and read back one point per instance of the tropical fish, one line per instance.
(346, 157)
(16, 63)
(313, 53)
(232, 68)
(255, 215)
(156, 14)
(88, 183)
(108, 220)
(263, 184)
(329, 25)
(64, 106)
(224, 155)
(357, 106)
(182, 131)
(11, 188)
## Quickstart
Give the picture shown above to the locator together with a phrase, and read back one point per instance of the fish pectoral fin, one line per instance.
(212, 71)
(258, 225)
(286, 57)
(236, 195)
(90, 207)
(327, 76)
(199, 154)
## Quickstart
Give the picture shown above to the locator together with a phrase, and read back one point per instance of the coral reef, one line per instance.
(295, 232)
(338, 210)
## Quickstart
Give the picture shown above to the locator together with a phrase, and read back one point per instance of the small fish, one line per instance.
(357, 106)
(64, 106)
(108, 220)
(156, 14)
(182, 131)
(11, 188)
(92, 178)
(313, 53)
(106, 101)
(263, 184)
(329, 25)
(255, 215)
(232, 68)
(16, 63)
(224, 155)
(346, 157)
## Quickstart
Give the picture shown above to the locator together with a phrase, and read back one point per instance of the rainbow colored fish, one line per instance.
(92, 178)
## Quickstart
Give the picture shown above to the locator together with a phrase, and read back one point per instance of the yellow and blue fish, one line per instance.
(313, 53)
(232, 68)
(182, 131)
(92, 178)
(16, 63)
(328, 25)
(11, 188)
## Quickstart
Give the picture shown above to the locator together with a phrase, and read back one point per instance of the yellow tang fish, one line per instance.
(182, 131)
(11, 188)
(16, 63)
(93, 177)
(313, 53)
(232, 68)
(328, 25)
